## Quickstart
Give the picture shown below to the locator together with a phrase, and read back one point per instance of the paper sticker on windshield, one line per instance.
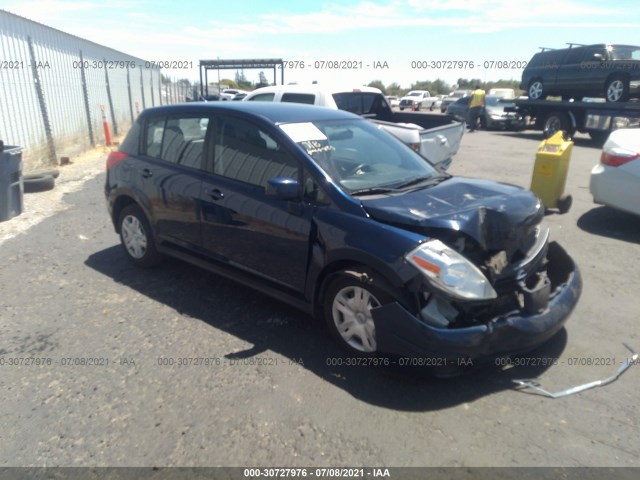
(301, 132)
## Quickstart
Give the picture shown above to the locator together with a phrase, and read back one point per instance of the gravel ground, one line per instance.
(270, 394)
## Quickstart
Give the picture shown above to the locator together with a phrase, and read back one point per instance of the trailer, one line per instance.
(597, 118)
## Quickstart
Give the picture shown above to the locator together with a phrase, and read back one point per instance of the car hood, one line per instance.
(496, 215)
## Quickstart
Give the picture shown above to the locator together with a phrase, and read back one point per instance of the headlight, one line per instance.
(495, 117)
(449, 271)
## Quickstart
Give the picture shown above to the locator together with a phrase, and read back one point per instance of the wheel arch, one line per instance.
(123, 201)
(393, 282)
(624, 76)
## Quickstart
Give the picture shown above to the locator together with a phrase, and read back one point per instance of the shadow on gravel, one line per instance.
(611, 223)
(272, 326)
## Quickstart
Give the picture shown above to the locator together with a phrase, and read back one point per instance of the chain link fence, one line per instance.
(58, 90)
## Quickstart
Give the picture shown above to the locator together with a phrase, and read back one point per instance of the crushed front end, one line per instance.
(490, 282)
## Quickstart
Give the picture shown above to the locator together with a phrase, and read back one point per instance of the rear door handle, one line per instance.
(215, 194)
(146, 173)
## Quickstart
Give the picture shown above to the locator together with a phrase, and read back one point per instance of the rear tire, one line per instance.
(559, 121)
(536, 90)
(136, 237)
(564, 203)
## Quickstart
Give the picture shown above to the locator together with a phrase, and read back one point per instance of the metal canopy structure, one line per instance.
(261, 63)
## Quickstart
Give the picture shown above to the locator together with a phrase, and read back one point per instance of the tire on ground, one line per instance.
(38, 183)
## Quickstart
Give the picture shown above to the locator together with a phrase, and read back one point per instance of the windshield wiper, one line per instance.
(429, 179)
(373, 191)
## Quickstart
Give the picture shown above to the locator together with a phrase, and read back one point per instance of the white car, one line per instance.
(394, 102)
(615, 181)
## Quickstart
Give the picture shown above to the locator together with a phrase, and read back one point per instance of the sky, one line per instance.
(400, 41)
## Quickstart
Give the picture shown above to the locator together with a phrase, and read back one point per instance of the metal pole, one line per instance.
(85, 95)
(130, 97)
(153, 102)
(142, 90)
(43, 107)
(109, 98)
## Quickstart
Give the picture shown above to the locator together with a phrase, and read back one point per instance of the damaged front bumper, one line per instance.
(399, 332)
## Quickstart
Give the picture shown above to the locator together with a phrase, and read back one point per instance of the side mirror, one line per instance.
(598, 56)
(283, 188)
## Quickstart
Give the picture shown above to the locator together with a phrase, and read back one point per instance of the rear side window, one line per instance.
(178, 140)
(547, 59)
(246, 153)
(575, 56)
(307, 98)
(262, 97)
(360, 103)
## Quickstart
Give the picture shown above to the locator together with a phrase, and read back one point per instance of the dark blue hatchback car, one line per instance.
(323, 210)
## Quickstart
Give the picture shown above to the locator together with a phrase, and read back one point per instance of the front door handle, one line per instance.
(215, 194)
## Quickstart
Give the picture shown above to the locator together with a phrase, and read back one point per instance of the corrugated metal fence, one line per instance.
(56, 89)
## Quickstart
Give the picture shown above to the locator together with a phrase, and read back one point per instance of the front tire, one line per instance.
(617, 90)
(347, 309)
(136, 237)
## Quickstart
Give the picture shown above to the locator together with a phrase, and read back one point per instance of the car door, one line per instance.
(168, 173)
(240, 224)
(595, 70)
(569, 81)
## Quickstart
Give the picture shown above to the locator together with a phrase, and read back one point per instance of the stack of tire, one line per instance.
(40, 180)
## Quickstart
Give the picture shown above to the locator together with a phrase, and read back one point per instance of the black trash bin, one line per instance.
(11, 183)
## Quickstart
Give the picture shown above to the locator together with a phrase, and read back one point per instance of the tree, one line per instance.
(440, 87)
(466, 84)
(263, 82)
(378, 84)
(395, 89)
(228, 81)
(242, 81)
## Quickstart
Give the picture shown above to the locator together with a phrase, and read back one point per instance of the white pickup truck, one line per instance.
(416, 100)
(435, 137)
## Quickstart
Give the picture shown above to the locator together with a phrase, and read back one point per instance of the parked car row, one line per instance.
(452, 98)
(226, 94)
(493, 116)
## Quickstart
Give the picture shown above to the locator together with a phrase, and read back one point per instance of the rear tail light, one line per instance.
(618, 156)
(114, 158)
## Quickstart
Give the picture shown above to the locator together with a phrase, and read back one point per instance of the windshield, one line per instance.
(358, 156)
(625, 53)
(413, 94)
(493, 101)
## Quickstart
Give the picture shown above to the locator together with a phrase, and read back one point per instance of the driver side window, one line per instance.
(246, 153)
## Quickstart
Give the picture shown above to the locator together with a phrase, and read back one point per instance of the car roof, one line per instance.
(314, 88)
(599, 45)
(273, 112)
